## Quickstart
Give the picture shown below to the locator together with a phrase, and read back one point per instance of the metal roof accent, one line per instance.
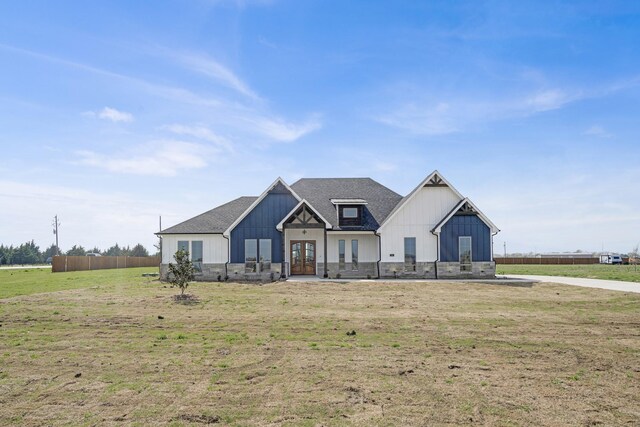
(349, 201)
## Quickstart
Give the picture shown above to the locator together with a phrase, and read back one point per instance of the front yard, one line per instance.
(120, 350)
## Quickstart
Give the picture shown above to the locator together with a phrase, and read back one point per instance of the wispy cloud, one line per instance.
(234, 113)
(160, 158)
(115, 115)
(281, 130)
(200, 132)
(548, 100)
(206, 65)
(597, 131)
(456, 115)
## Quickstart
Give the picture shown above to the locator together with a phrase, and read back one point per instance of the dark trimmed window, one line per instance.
(409, 254)
(354, 255)
(196, 255)
(350, 215)
(341, 256)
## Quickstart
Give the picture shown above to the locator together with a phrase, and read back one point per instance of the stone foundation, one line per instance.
(395, 270)
(216, 272)
(366, 270)
(479, 270)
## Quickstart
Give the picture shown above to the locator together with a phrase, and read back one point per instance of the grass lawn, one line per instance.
(628, 273)
(120, 350)
(14, 282)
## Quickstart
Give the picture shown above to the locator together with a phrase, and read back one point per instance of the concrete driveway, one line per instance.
(613, 285)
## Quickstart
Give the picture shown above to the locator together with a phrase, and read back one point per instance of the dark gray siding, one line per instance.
(465, 225)
(261, 224)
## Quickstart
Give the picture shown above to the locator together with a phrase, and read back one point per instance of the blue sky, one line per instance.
(112, 113)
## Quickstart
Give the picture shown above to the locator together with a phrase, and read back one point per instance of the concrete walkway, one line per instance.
(612, 285)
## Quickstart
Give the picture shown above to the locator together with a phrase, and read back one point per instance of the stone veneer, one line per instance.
(388, 270)
(395, 270)
(365, 270)
(479, 270)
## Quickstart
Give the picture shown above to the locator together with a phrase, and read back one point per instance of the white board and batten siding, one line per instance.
(417, 218)
(215, 248)
(367, 246)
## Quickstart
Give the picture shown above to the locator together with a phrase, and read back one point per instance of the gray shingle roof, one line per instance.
(319, 192)
(216, 220)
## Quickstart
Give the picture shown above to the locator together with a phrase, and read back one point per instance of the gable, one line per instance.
(428, 204)
(260, 222)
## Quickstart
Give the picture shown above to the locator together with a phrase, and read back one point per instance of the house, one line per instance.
(338, 228)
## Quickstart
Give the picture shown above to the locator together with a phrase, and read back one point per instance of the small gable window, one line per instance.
(350, 215)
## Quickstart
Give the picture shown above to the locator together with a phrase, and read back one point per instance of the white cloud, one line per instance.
(597, 131)
(160, 158)
(280, 130)
(434, 117)
(548, 100)
(208, 66)
(114, 115)
(108, 113)
(200, 132)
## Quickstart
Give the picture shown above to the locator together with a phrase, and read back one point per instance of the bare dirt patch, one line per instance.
(422, 354)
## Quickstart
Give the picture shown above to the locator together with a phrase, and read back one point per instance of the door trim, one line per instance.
(303, 256)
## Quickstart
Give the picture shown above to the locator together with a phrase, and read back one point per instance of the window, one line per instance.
(354, 254)
(350, 215)
(183, 245)
(409, 254)
(265, 254)
(350, 212)
(250, 255)
(341, 262)
(196, 255)
(464, 251)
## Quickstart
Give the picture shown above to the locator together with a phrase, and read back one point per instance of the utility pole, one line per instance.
(505, 249)
(56, 224)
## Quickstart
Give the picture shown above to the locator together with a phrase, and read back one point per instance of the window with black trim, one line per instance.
(257, 255)
(196, 255)
(350, 215)
(354, 254)
(409, 254)
(341, 249)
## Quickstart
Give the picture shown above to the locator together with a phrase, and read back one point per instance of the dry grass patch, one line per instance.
(279, 354)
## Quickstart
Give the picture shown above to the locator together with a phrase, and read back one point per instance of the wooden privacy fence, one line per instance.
(546, 260)
(81, 263)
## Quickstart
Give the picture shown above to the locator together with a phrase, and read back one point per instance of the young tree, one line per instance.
(182, 272)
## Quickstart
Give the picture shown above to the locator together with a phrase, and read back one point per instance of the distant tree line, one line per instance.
(29, 253)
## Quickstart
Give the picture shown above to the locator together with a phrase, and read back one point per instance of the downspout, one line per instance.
(226, 264)
(379, 252)
(437, 252)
